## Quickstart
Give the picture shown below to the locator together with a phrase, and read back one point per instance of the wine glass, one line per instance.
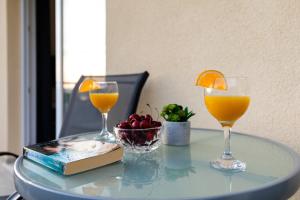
(227, 106)
(103, 96)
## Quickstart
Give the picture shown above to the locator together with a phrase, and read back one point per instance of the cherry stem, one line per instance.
(149, 108)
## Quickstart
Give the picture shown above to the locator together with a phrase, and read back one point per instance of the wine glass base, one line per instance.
(106, 137)
(230, 165)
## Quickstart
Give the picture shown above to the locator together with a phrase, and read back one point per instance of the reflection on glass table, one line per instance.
(175, 173)
(148, 165)
(177, 162)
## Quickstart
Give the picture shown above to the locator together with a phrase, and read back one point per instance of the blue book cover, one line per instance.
(74, 154)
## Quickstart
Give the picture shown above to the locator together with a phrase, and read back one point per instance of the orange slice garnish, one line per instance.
(87, 85)
(212, 79)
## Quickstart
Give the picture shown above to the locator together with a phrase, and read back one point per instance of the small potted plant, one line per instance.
(176, 127)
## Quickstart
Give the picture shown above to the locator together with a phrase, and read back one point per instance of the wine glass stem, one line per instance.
(227, 153)
(104, 123)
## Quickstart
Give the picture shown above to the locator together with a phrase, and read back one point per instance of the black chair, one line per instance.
(81, 116)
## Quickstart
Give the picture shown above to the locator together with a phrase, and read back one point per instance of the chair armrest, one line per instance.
(15, 196)
(4, 153)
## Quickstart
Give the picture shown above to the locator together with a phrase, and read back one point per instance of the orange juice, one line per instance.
(104, 101)
(227, 109)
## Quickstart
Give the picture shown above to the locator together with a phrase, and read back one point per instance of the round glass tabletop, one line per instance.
(173, 172)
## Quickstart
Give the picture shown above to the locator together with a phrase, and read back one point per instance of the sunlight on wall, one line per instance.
(83, 39)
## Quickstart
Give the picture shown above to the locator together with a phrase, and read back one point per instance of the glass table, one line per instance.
(273, 172)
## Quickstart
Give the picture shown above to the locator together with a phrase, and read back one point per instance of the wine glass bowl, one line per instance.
(103, 96)
(227, 106)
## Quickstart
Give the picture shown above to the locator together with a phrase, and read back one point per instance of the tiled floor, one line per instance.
(6, 175)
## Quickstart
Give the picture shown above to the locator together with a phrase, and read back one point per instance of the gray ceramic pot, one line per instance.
(176, 133)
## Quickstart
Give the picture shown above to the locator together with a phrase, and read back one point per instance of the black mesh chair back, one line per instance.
(81, 116)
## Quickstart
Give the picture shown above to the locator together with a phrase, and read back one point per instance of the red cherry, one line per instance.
(149, 118)
(149, 136)
(145, 124)
(156, 123)
(140, 141)
(123, 135)
(124, 125)
(128, 135)
(131, 116)
(134, 117)
(135, 138)
(135, 124)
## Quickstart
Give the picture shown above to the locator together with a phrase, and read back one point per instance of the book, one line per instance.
(74, 154)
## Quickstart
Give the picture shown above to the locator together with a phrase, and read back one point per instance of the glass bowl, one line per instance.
(138, 140)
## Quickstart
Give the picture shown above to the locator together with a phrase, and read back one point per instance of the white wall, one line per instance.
(177, 39)
(10, 75)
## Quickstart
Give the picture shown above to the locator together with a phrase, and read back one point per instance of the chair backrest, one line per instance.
(81, 116)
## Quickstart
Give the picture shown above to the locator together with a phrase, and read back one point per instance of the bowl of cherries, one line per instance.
(138, 134)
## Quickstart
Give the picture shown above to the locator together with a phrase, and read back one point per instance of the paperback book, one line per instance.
(74, 154)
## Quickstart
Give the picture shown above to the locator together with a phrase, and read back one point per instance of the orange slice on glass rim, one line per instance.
(212, 79)
(87, 85)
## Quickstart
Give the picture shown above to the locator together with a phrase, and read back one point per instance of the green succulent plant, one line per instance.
(176, 113)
